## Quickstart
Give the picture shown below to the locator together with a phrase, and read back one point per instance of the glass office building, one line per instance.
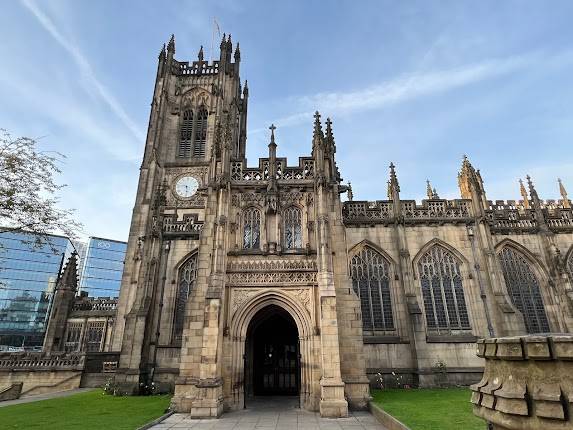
(28, 273)
(103, 267)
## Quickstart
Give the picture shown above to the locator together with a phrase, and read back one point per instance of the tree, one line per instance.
(29, 193)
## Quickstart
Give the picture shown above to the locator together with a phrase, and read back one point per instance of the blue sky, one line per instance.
(416, 83)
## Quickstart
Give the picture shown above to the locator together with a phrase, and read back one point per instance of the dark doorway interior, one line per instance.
(273, 360)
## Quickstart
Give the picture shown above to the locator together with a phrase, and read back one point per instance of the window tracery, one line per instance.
(524, 289)
(251, 228)
(186, 134)
(370, 273)
(292, 217)
(187, 276)
(200, 133)
(442, 291)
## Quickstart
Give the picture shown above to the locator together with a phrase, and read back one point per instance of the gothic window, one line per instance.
(251, 228)
(370, 273)
(73, 336)
(524, 290)
(292, 228)
(186, 134)
(187, 277)
(200, 133)
(94, 336)
(442, 291)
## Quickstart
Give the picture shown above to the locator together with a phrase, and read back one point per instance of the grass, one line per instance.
(89, 410)
(430, 409)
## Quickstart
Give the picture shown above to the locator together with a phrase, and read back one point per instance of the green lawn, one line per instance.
(90, 410)
(425, 409)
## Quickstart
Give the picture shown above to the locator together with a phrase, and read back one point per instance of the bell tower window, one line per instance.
(200, 133)
(186, 134)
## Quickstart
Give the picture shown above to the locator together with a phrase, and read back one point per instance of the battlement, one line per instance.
(196, 68)
(382, 211)
(241, 173)
(550, 204)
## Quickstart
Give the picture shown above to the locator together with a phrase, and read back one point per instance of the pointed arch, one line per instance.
(523, 284)
(370, 273)
(439, 270)
(435, 241)
(365, 242)
(186, 283)
(534, 260)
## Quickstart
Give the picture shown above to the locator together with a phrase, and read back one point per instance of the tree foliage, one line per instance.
(29, 193)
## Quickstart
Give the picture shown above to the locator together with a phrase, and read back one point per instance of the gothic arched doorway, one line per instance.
(272, 358)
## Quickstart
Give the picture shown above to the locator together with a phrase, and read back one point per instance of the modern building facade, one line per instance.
(29, 271)
(103, 267)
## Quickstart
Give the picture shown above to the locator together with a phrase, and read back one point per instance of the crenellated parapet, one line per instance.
(527, 382)
(456, 211)
(505, 217)
(240, 173)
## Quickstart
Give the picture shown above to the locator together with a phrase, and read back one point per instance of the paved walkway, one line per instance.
(272, 414)
(44, 397)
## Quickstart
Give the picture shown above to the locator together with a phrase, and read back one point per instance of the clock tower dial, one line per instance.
(186, 186)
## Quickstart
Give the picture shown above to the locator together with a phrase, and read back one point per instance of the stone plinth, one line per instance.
(527, 383)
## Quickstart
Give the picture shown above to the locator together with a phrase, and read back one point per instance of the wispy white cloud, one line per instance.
(85, 67)
(401, 89)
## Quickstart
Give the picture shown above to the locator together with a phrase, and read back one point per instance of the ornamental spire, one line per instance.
(162, 53)
(330, 136)
(200, 56)
(317, 126)
(533, 192)
(393, 185)
(237, 54)
(429, 193)
(524, 195)
(171, 45)
(566, 203)
(272, 128)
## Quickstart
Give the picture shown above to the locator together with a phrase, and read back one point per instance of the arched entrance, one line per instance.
(272, 357)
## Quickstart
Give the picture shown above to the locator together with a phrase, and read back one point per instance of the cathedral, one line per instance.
(270, 279)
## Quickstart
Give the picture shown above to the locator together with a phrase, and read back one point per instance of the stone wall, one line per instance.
(40, 373)
(527, 382)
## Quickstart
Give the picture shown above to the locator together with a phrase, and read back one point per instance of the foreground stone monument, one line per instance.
(527, 382)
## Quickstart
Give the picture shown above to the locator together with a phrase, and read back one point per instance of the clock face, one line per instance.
(186, 186)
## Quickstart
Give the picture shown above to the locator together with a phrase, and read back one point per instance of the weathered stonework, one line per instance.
(370, 287)
(527, 383)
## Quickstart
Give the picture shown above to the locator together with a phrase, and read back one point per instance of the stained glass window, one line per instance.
(370, 273)
(524, 290)
(187, 277)
(186, 134)
(251, 228)
(200, 133)
(442, 291)
(292, 228)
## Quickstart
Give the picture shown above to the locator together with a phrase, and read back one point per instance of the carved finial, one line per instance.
(317, 125)
(200, 56)
(435, 195)
(171, 44)
(330, 136)
(393, 178)
(349, 192)
(223, 42)
(565, 200)
(162, 52)
(229, 43)
(524, 195)
(246, 89)
(237, 53)
(272, 128)
(428, 189)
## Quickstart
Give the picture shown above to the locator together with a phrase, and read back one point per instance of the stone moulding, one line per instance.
(527, 382)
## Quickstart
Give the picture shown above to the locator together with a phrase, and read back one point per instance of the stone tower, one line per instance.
(236, 278)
